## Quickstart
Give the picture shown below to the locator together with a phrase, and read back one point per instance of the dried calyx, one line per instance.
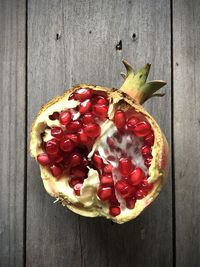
(100, 152)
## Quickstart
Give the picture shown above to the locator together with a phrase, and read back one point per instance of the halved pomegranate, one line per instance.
(100, 153)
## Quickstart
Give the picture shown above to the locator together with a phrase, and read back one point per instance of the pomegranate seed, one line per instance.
(149, 139)
(146, 185)
(142, 128)
(75, 181)
(123, 188)
(98, 161)
(111, 142)
(132, 121)
(43, 159)
(57, 132)
(125, 166)
(52, 147)
(56, 170)
(105, 193)
(85, 106)
(66, 144)
(141, 193)
(77, 189)
(83, 138)
(72, 137)
(101, 100)
(88, 118)
(146, 151)
(92, 129)
(106, 180)
(85, 162)
(113, 200)
(114, 210)
(120, 119)
(65, 117)
(57, 158)
(74, 126)
(111, 158)
(101, 111)
(78, 172)
(108, 168)
(54, 116)
(75, 159)
(83, 94)
(130, 203)
(136, 176)
(147, 163)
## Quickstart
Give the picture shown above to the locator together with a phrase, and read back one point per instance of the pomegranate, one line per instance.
(100, 153)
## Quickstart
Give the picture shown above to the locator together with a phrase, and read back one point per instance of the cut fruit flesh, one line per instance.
(125, 148)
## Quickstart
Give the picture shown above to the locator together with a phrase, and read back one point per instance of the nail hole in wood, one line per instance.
(177, 64)
(134, 36)
(58, 36)
(119, 45)
(90, 32)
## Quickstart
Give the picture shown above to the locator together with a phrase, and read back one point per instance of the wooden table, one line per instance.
(47, 46)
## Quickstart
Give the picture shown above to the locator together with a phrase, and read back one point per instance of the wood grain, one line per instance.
(187, 130)
(12, 134)
(85, 52)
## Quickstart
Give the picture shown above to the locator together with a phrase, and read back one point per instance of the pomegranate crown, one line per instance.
(135, 84)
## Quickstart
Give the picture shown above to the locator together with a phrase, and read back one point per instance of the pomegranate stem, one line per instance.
(135, 84)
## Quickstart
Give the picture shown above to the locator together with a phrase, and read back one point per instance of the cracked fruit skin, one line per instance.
(99, 151)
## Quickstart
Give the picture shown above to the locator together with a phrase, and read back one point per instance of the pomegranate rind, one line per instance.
(57, 187)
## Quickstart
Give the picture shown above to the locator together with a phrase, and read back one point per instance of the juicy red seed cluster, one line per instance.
(133, 183)
(68, 149)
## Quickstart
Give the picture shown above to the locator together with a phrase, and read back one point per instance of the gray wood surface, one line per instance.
(12, 134)
(187, 130)
(85, 52)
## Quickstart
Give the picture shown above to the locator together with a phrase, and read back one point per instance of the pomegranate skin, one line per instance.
(157, 170)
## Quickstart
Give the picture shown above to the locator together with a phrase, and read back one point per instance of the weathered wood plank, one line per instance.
(12, 135)
(86, 52)
(187, 130)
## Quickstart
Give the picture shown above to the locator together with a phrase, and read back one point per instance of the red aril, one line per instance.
(142, 128)
(92, 130)
(85, 106)
(98, 161)
(74, 126)
(57, 132)
(88, 118)
(83, 138)
(125, 166)
(106, 180)
(146, 185)
(105, 193)
(52, 147)
(132, 121)
(147, 162)
(100, 100)
(124, 189)
(43, 159)
(149, 139)
(130, 203)
(146, 151)
(72, 137)
(75, 159)
(66, 144)
(74, 181)
(114, 211)
(141, 193)
(56, 170)
(136, 177)
(77, 188)
(83, 94)
(101, 111)
(54, 116)
(78, 172)
(120, 119)
(65, 117)
(108, 168)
